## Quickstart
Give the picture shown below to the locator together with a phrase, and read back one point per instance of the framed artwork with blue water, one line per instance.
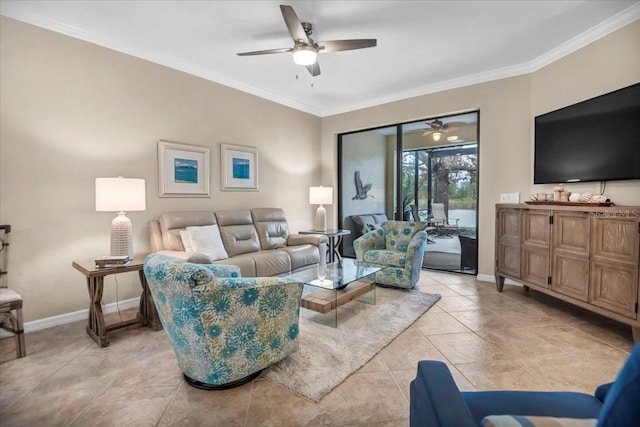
(239, 168)
(183, 170)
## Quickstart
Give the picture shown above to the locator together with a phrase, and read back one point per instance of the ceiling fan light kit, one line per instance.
(436, 136)
(304, 55)
(305, 49)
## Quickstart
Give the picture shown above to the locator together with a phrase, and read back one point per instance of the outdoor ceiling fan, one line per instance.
(305, 49)
(437, 128)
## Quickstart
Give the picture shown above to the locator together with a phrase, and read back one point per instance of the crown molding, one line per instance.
(15, 11)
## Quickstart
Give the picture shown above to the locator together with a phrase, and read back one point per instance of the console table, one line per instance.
(335, 238)
(586, 255)
(96, 328)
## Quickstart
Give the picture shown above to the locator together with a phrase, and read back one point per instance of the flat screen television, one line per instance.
(594, 140)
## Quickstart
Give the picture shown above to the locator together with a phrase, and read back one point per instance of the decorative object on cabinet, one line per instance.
(120, 195)
(239, 168)
(586, 255)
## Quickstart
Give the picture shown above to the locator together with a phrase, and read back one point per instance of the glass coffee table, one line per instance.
(346, 280)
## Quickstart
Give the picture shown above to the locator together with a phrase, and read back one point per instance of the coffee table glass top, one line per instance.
(339, 273)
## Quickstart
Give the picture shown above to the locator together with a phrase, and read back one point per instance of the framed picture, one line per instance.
(239, 166)
(183, 170)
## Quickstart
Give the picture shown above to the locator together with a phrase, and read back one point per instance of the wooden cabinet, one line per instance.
(585, 255)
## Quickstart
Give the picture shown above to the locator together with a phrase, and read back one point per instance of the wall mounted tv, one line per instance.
(594, 140)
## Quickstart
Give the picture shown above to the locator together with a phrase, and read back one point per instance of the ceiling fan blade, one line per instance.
(314, 69)
(266, 52)
(338, 45)
(293, 24)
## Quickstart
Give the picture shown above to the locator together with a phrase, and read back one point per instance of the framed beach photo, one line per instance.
(239, 168)
(183, 170)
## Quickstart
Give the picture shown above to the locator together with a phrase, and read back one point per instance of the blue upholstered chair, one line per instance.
(224, 329)
(437, 402)
(400, 246)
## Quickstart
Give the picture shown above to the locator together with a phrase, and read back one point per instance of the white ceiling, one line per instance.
(423, 46)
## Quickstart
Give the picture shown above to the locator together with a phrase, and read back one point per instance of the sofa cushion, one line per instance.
(244, 262)
(172, 222)
(239, 235)
(271, 226)
(207, 240)
(271, 263)
(302, 255)
(533, 421)
(386, 257)
(186, 241)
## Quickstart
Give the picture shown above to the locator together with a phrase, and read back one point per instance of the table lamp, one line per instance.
(120, 195)
(321, 196)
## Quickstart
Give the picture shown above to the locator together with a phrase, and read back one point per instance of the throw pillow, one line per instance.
(535, 421)
(186, 241)
(206, 239)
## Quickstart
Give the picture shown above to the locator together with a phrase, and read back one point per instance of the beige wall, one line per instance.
(507, 108)
(605, 65)
(72, 111)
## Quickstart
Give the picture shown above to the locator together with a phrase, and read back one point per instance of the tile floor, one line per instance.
(490, 340)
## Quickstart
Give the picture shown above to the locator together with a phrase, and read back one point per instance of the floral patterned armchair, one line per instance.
(400, 246)
(224, 329)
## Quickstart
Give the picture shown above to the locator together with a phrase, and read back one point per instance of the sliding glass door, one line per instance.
(435, 177)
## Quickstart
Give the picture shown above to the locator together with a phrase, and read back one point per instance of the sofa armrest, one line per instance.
(435, 399)
(307, 239)
(155, 236)
(372, 240)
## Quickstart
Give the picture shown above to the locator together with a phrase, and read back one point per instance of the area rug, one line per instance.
(327, 356)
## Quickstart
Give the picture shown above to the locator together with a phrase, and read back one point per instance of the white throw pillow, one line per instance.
(207, 240)
(186, 241)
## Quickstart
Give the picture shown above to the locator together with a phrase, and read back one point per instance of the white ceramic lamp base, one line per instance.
(121, 236)
(321, 219)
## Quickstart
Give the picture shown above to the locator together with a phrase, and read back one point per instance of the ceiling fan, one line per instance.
(437, 128)
(305, 49)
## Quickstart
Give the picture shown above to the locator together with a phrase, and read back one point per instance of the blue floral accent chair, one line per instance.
(400, 246)
(224, 329)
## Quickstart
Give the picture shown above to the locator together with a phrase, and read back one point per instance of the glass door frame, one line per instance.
(399, 168)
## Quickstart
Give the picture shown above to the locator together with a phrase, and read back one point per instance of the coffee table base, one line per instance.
(326, 301)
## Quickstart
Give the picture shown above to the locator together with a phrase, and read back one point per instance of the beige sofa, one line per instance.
(256, 240)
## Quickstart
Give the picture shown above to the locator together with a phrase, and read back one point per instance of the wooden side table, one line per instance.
(335, 238)
(96, 328)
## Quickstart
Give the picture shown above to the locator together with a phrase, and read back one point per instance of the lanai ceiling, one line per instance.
(422, 46)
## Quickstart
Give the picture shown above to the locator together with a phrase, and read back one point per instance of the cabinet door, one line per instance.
(536, 236)
(570, 254)
(508, 241)
(614, 287)
(615, 243)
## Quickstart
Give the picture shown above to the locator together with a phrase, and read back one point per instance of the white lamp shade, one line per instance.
(320, 195)
(120, 194)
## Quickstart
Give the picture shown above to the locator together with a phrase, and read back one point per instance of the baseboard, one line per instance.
(486, 278)
(49, 322)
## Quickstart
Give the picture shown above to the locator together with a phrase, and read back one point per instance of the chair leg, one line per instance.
(21, 349)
